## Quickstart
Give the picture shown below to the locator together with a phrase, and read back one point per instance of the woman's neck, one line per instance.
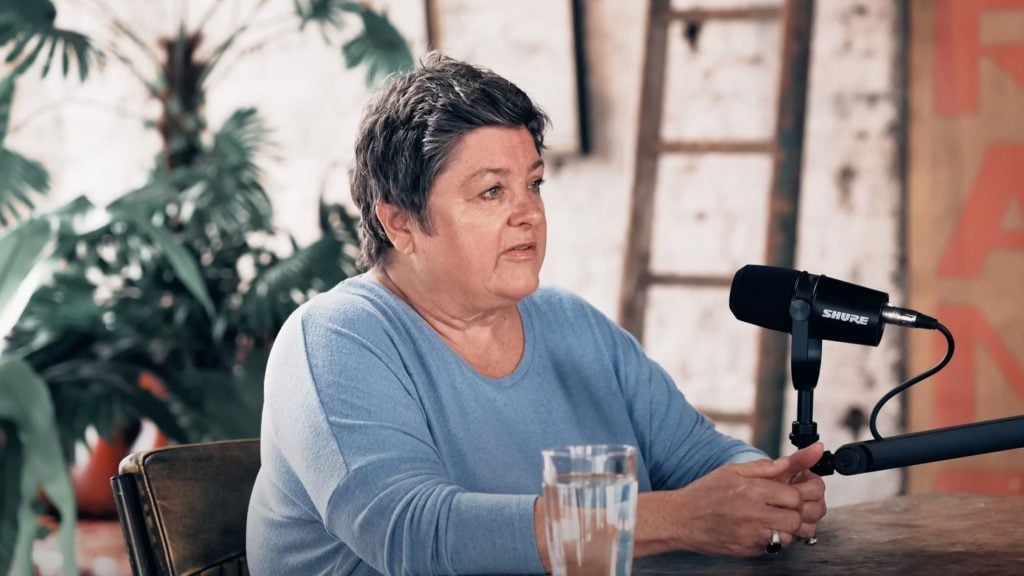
(490, 340)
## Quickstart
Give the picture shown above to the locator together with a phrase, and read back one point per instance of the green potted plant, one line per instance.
(174, 284)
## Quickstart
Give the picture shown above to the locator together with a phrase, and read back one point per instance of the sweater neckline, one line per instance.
(431, 335)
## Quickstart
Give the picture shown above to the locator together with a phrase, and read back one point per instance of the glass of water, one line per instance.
(590, 494)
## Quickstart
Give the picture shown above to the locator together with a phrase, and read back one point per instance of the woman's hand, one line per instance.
(733, 510)
(812, 489)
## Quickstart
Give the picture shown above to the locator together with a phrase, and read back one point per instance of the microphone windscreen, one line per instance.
(761, 295)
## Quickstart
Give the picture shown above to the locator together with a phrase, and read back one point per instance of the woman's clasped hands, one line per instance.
(735, 509)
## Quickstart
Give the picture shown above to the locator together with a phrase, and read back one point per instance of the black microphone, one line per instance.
(814, 308)
(839, 311)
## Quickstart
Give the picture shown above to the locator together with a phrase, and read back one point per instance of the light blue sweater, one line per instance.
(383, 451)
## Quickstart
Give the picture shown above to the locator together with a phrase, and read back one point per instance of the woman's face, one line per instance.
(489, 232)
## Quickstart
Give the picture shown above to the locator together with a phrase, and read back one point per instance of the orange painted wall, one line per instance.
(966, 227)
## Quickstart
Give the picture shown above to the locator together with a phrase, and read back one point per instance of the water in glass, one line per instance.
(591, 518)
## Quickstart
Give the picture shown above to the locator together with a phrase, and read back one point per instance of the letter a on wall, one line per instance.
(966, 228)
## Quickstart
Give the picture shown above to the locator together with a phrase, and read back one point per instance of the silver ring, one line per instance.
(774, 545)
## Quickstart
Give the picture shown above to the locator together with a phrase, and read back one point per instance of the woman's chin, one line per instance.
(518, 286)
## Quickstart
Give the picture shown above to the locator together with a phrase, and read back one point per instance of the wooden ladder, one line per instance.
(785, 149)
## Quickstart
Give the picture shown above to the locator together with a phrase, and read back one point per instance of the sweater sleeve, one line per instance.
(679, 444)
(360, 446)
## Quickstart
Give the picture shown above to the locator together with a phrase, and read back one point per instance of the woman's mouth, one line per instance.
(524, 251)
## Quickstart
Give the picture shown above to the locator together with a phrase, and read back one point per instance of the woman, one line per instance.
(405, 410)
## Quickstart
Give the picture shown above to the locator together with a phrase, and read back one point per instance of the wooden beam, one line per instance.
(717, 147)
(690, 280)
(737, 13)
(720, 417)
(633, 294)
(784, 200)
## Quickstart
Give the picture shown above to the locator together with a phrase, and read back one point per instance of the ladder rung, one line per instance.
(728, 417)
(737, 13)
(716, 146)
(689, 280)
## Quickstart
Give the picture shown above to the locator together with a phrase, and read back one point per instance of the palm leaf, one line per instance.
(380, 46)
(7, 86)
(326, 13)
(26, 403)
(225, 188)
(25, 23)
(149, 200)
(181, 260)
(282, 287)
(240, 139)
(11, 462)
(21, 179)
(21, 251)
(113, 386)
(336, 221)
(79, 218)
(66, 306)
(225, 404)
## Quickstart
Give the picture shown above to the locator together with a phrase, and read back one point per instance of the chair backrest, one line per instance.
(183, 508)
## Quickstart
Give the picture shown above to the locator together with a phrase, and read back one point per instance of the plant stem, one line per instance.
(120, 26)
(127, 62)
(219, 51)
(209, 14)
(183, 101)
(55, 105)
(273, 23)
(225, 70)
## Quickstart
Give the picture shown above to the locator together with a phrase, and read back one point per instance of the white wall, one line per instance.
(850, 222)
(711, 211)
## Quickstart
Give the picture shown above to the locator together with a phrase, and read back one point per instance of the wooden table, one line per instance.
(947, 534)
(937, 534)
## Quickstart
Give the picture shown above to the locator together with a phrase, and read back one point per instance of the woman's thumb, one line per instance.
(765, 468)
(786, 466)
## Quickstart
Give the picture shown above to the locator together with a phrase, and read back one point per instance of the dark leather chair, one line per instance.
(183, 508)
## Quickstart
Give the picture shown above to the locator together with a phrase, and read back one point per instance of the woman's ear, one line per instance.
(397, 225)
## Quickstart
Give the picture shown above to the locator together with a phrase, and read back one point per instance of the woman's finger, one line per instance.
(782, 520)
(785, 538)
(807, 530)
(783, 496)
(814, 511)
(812, 488)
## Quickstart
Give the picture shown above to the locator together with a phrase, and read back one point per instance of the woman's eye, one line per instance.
(537, 184)
(491, 193)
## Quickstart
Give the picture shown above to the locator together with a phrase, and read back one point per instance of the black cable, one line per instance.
(927, 374)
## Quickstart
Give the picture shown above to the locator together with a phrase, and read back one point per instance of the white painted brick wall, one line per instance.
(850, 213)
(710, 211)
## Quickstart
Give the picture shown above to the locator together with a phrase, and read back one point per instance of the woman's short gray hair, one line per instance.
(411, 127)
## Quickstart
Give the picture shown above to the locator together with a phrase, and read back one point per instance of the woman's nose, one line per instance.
(528, 209)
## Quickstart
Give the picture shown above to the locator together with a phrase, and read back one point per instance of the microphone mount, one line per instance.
(881, 453)
(805, 367)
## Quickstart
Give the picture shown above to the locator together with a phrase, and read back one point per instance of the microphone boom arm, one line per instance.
(924, 447)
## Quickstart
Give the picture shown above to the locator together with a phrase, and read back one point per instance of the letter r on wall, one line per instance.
(958, 50)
